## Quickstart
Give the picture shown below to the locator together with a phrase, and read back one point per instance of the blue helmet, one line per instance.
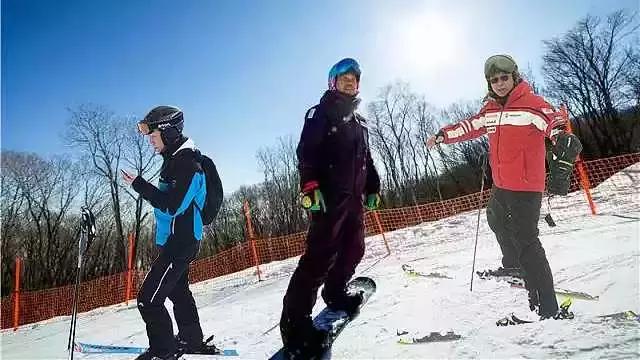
(346, 65)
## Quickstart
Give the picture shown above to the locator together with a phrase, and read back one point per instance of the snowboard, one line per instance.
(334, 322)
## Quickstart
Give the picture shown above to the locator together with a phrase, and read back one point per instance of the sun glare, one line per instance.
(426, 42)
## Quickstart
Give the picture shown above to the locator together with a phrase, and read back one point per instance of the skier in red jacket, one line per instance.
(517, 121)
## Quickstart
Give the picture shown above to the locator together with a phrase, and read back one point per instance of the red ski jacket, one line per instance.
(516, 137)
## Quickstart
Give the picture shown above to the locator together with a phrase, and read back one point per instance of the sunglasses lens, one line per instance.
(502, 78)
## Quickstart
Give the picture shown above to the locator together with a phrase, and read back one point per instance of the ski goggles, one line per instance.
(498, 63)
(345, 66)
(144, 128)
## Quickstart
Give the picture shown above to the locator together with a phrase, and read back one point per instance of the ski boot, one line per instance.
(153, 355)
(562, 313)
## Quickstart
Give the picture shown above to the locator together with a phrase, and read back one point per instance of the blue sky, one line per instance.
(244, 72)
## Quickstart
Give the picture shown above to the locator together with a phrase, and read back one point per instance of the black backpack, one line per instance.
(213, 200)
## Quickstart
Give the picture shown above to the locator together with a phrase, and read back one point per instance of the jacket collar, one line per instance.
(520, 90)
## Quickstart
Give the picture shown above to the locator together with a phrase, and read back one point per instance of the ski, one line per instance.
(512, 319)
(87, 348)
(564, 292)
(517, 282)
(409, 270)
(619, 316)
(432, 337)
(513, 280)
(501, 272)
(622, 315)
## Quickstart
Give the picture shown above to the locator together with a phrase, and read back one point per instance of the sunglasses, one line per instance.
(503, 78)
(144, 128)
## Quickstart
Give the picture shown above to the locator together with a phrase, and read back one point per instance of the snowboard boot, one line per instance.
(302, 340)
(153, 355)
(347, 302)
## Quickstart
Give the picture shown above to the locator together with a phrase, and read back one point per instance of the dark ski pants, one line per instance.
(513, 216)
(335, 246)
(498, 217)
(169, 277)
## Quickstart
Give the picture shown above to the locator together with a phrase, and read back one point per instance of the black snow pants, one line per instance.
(513, 216)
(169, 277)
(335, 246)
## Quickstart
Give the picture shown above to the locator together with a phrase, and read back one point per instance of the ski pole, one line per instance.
(74, 310)
(475, 247)
(87, 234)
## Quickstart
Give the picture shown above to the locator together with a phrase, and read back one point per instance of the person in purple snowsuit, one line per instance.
(338, 180)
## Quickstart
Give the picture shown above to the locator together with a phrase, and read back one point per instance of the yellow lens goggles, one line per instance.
(144, 128)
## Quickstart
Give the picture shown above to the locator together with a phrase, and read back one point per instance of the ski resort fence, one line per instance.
(257, 258)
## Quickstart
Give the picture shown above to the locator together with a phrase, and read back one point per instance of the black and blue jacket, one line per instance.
(180, 195)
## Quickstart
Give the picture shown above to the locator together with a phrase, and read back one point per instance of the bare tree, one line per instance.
(280, 188)
(393, 132)
(592, 68)
(12, 210)
(98, 133)
(427, 125)
(49, 189)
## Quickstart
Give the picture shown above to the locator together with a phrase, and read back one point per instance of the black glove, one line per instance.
(563, 156)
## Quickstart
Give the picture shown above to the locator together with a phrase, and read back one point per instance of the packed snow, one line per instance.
(597, 254)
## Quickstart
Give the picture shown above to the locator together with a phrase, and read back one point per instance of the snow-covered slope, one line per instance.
(595, 254)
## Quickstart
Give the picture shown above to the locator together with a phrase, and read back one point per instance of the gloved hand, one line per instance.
(435, 139)
(563, 156)
(373, 201)
(311, 197)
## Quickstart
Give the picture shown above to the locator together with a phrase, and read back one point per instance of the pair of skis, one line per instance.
(86, 348)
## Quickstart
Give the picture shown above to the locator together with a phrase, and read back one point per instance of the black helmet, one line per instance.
(168, 119)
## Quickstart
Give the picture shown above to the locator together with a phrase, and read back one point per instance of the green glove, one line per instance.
(312, 199)
(373, 201)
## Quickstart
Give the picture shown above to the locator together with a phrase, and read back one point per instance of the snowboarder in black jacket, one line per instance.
(337, 176)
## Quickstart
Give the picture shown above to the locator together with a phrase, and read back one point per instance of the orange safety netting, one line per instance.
(225, 266)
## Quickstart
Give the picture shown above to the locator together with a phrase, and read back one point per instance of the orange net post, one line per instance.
(582, 171)
(252, 240)
(379, 224)
(16, 295)
(127, 295)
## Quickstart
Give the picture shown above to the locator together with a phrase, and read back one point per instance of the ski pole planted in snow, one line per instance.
(87, 234)
(475, 247)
